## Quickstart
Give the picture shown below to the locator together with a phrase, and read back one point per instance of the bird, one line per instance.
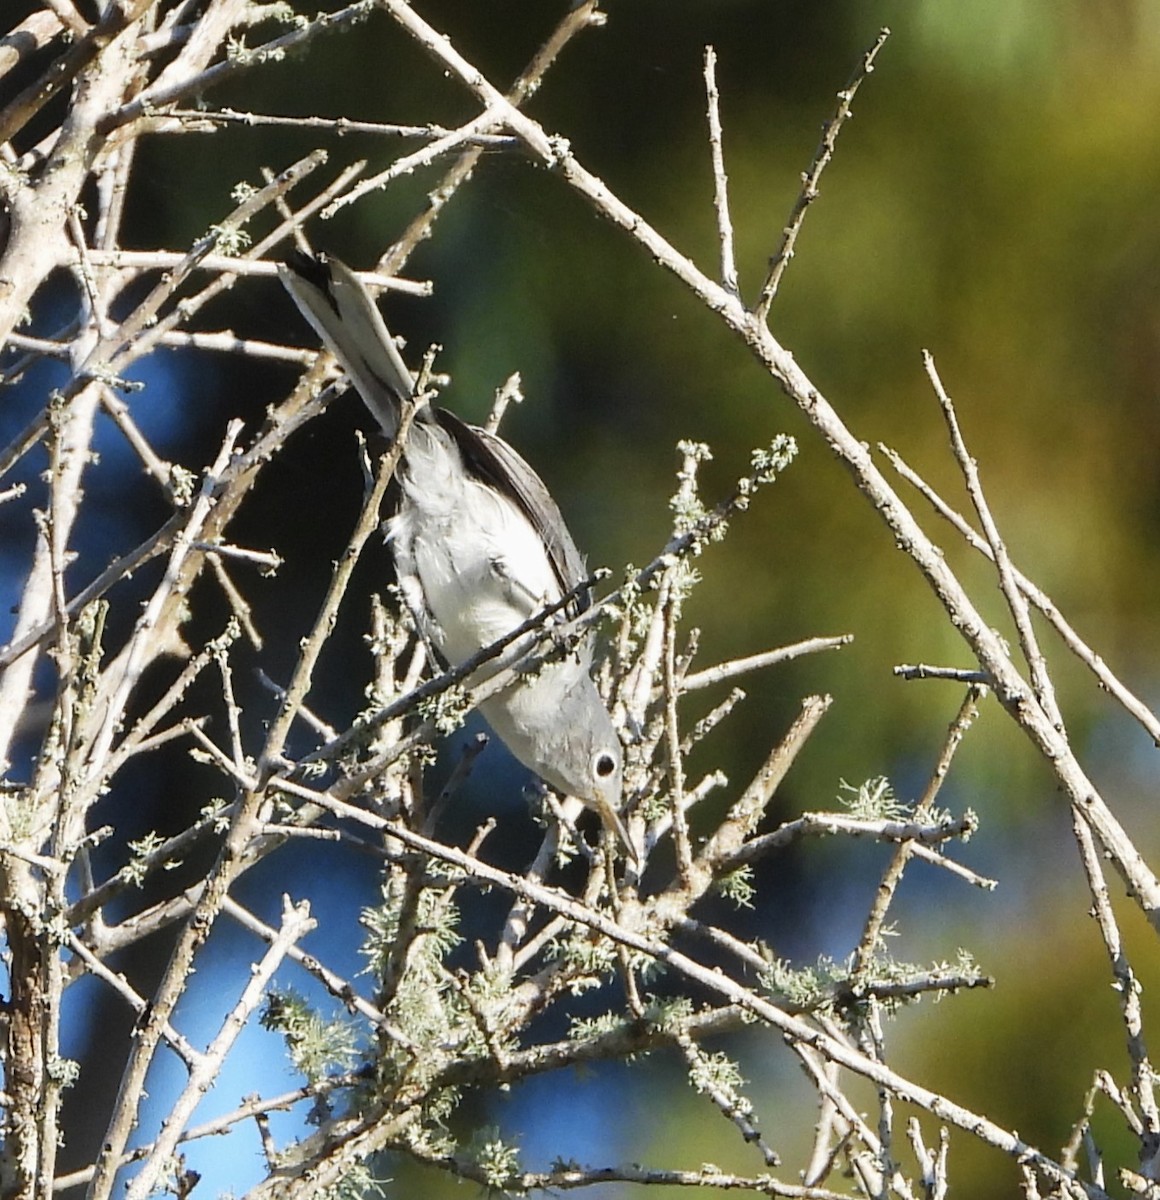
(479, 547)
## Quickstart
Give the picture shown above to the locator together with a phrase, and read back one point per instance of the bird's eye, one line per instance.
(605, 765)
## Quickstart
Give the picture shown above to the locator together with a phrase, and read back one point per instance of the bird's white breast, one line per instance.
(459, 546)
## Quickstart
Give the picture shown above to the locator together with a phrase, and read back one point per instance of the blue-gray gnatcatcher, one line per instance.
(479, 545)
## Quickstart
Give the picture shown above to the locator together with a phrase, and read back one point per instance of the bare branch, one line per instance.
(728, 273)
(1040, 599)
(810, 180)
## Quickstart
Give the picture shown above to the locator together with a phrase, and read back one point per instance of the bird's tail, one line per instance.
(342, 313)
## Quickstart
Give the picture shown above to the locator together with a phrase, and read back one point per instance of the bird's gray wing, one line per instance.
(344, 316)
(490, 459)
(336, 304)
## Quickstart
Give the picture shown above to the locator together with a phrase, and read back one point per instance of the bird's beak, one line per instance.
(613, 822)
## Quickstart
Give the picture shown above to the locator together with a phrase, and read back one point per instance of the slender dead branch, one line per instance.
(811, 179)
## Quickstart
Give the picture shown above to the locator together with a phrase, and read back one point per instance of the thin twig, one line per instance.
(296, 923)
(135, 262)
(870, 942)
(758, 662)
(1128, 989)
(728, 263)
(1016, 600)
(449, 143)
(341, 989)
(827, 824)
(581, 16)
(730, 1103)
(93, 965)
(509, 392)
(220, 1125)
(811, 179)
(928, 671)
(670, 606)
(196, 83)
(1108, 681)
(212, 118)
(368, 521)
